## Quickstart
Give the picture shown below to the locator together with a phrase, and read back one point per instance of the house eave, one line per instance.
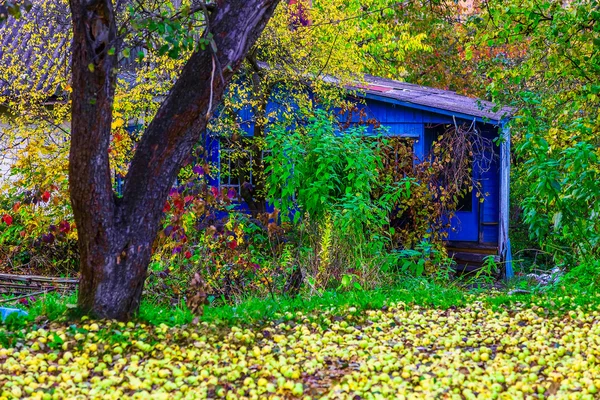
(441, 111)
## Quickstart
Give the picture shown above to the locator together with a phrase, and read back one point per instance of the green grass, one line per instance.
(254, 310)
(51, 306)
(413, 291)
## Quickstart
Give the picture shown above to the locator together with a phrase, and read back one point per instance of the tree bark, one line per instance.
(116, 235)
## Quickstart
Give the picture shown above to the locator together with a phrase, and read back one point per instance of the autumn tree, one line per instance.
(148, 48)
(447, 66)
(116, 234)
(545, 61)
(293, 63)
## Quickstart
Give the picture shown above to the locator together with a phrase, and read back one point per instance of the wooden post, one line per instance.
(503, 238)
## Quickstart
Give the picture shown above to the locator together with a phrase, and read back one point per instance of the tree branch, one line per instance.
(181, 119)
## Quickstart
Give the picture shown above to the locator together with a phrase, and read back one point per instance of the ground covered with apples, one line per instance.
(395, 351)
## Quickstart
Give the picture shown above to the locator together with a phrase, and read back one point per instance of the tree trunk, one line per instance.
(116, 235)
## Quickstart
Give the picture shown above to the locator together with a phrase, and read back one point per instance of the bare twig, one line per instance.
(212, 78)
(25, 296)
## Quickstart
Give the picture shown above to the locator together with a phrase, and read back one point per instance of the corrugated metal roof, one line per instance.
(432, 98)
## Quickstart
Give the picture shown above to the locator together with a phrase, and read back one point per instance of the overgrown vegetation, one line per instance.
(545, 63)
(234, 254)
(557, 299)
(354, 211)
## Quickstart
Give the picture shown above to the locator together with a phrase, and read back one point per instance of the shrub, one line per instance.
(344, 198)
(37, 233)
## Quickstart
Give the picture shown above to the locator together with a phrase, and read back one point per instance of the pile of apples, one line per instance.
(399, 351)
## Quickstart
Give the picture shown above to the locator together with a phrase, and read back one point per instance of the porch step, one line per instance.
(475, 258)
(469, 260)
(471, 247)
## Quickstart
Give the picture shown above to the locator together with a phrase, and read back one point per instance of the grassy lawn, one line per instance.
(419, 341)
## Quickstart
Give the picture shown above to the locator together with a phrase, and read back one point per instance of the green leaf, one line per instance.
(420, 268)
(346, 280)
(468, 53)
(163, 49)
(557, 219)
(174, 53)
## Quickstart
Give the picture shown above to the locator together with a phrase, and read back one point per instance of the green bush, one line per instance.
(330, 181)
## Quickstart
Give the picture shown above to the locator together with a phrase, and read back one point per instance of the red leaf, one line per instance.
(46, 196)
(8, 220)
(64, 226)
(179, 204)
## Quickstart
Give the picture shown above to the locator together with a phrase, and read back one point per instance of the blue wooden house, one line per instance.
(406, 110)
(479, 228)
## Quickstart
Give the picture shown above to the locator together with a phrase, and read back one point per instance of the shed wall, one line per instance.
(400, 120)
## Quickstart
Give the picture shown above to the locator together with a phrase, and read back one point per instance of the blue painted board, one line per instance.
(465, 224)
(5, 312)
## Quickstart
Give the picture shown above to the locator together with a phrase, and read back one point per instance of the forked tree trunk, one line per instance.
(116, 235)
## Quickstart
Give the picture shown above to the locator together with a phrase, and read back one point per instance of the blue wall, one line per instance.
(404, 121)
(400, 120)
(490, 180)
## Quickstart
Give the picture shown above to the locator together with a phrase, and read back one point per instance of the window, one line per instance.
(398, 156)
(433, 133)
(236, 169)
(465, 203)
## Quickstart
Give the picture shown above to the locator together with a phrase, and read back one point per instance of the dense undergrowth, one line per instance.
(367, 217)
(366, 220)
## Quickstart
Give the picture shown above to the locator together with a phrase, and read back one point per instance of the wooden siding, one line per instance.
(504, 187)
(490, 181)
(389, 113)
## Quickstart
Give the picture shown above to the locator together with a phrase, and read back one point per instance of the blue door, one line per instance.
(464, 226)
